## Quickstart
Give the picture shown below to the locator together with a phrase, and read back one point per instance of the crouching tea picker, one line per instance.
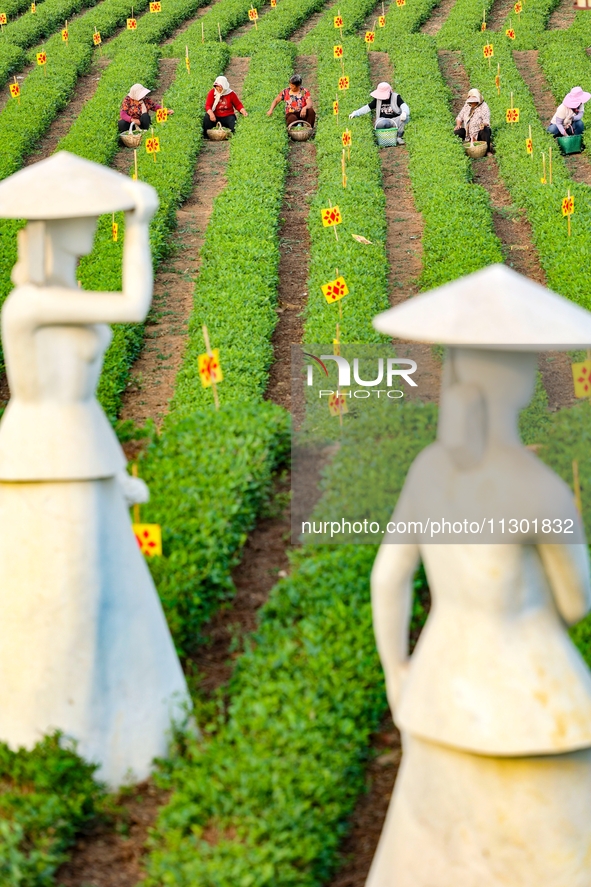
(84, 646)
(494, 705)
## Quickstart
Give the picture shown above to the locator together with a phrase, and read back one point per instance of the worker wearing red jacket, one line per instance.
(220, 106)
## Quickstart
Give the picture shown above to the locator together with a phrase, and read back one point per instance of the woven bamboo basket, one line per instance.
(302, 133)
(131, 138)
(475, 149)
(218, 133)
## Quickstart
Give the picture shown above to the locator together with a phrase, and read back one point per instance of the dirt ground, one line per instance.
(436, 21)
(153, 374)
(300, 185)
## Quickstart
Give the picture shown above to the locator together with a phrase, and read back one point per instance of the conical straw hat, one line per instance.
(64, 187)
(493, 308)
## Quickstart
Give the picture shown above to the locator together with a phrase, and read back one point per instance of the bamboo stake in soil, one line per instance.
(220, 32)
(550, 162)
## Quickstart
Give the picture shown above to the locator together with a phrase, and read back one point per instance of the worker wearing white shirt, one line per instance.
(390, 109)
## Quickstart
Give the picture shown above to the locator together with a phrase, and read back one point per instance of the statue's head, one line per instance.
(493, 322)
(62, 199)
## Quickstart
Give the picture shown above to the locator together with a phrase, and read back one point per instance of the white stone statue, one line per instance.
(84, 645)
(494, 706)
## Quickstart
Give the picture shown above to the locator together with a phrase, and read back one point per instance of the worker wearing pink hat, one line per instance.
(390, 110)
(568, 118)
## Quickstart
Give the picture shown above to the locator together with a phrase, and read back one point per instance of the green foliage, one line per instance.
(542, 203)
(564, 62)
(458, 234)
(535, 418)
(236, 289)
(46, 795)
(208, 475)
(530, 25)
(403, 20)
(278, 24)
(362, 205)
(308, 689)
(154, 28)
(321, 38)
(224, 14)
(464, 19)
(12, 59)
(51, 14)
(172, 176)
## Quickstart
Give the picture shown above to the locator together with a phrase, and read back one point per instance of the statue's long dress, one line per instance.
(486, 797)
(84, 645)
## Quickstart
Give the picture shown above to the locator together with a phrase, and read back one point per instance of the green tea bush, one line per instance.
(236, 292)
(458, 232)
(278, 24)
(46, 795)
(362, 204)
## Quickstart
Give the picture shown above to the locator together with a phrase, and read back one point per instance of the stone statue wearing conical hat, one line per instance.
(494, 706)
(84, 645)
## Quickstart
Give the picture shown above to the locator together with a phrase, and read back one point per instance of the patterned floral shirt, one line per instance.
(295, 103)
(474, 123)
(132, 110)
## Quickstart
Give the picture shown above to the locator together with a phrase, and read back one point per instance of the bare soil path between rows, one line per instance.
(153, 375)
(499, 12)
(563, 16)
(436, 21)
(514, 231)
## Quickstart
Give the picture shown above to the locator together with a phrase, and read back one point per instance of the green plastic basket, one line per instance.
(387, 137)
(570, 144)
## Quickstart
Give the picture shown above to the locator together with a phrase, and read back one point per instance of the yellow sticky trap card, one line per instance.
(161, 115)
(335, 289)
(41, 58)
(153, 145)
(15, 90)
(96, 38)
(210, 369)
(132, 24)
(3, 18)
(253, 14)
(337, 404)
(337, 51)
(370, 36)
(512, 115)
(346, 139)
(582, 378)
(568, 206)
(382, 21)
(331, 216)
(115, 232)
(343, 83)
(338, 21)
(156, 7)
(149, 538)
(335, 107)
(510, 33)
(529, 146)
(488, 51)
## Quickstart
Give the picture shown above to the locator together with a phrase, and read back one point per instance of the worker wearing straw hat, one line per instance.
(390, 110)
(473, 121)
(568, 117)
(494, 705)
